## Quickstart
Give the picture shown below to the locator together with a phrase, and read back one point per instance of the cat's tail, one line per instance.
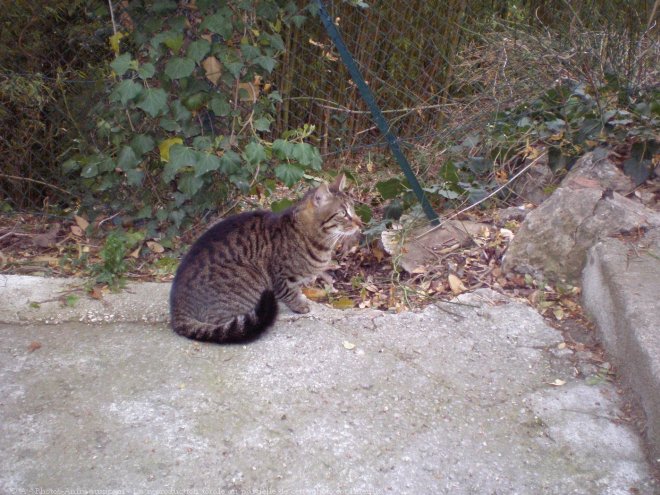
(243, 328)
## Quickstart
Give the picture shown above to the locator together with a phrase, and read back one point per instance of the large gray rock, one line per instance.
(595, 169)
(424, 247)
(553, 240)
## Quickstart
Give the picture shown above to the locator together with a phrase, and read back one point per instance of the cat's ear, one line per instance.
(321, 195)
(339, 184)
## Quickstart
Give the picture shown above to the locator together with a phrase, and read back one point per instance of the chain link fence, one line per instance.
(49, 74)
(434, 78)
(402, 51)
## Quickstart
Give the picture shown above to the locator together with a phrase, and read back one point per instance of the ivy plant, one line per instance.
(186, 121)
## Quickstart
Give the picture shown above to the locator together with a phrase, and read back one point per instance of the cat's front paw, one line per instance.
(299, 305)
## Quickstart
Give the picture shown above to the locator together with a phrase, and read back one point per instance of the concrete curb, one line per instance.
(621, 289)
(26, 299)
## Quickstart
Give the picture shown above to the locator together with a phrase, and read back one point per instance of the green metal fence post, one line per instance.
(368, 97)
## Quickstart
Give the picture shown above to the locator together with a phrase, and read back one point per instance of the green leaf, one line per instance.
(289, 173)
(180, 157)
(390, 188)
(638, 170)
(134, 177)
(127, 159)
(126, 90)
(106, 164)
(275, 96)
(267, 63)
(207, 162)
(142, 143)
(479, 165)
(234, 68)
(170, 125)
(282, 149)
(90, 170)
(274, 40)
(189, 184)
(180, 112)
(218, 23)
(179, 67)
(230, 162)
(153, 101)
(298, 20)
(205, 5)
(162, 6)
(197, 50)
(202, 143)
(220, 106)
(71, 165)
(121, 64)
(146, 71)
(255, 153)
(262, 124)
(174, 41)
(178, 23)
(316, 162)
(196, 100)
(364, 212)
(282, 204)
(250, 52)
(442, 190)
(307, 155)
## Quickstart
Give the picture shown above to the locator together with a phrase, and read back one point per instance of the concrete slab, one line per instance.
(41, 300)
(621, 289)
(466, 398)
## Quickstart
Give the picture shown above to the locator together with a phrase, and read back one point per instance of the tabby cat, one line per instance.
(227, 286)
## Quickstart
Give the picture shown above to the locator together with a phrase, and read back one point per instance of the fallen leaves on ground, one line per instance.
(366, 276)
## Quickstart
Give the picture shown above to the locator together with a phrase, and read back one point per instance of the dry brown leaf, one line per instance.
(46, 260)
(34, 345)
(378, 253)
(47, 239)
(136, 254)
(314, 293)
(155, 247)
(81, 222)
(96, 293)
(213, 69)
(248, 91)
(77, 231)
(455, 284)
(506, 234)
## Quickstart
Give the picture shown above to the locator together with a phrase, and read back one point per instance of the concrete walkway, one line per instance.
(477, 397)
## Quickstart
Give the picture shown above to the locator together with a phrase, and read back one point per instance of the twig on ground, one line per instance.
(450, 217)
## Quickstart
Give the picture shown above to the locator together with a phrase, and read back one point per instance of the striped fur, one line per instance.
(227, 286)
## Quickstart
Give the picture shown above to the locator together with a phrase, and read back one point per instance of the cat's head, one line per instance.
(329, 210)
